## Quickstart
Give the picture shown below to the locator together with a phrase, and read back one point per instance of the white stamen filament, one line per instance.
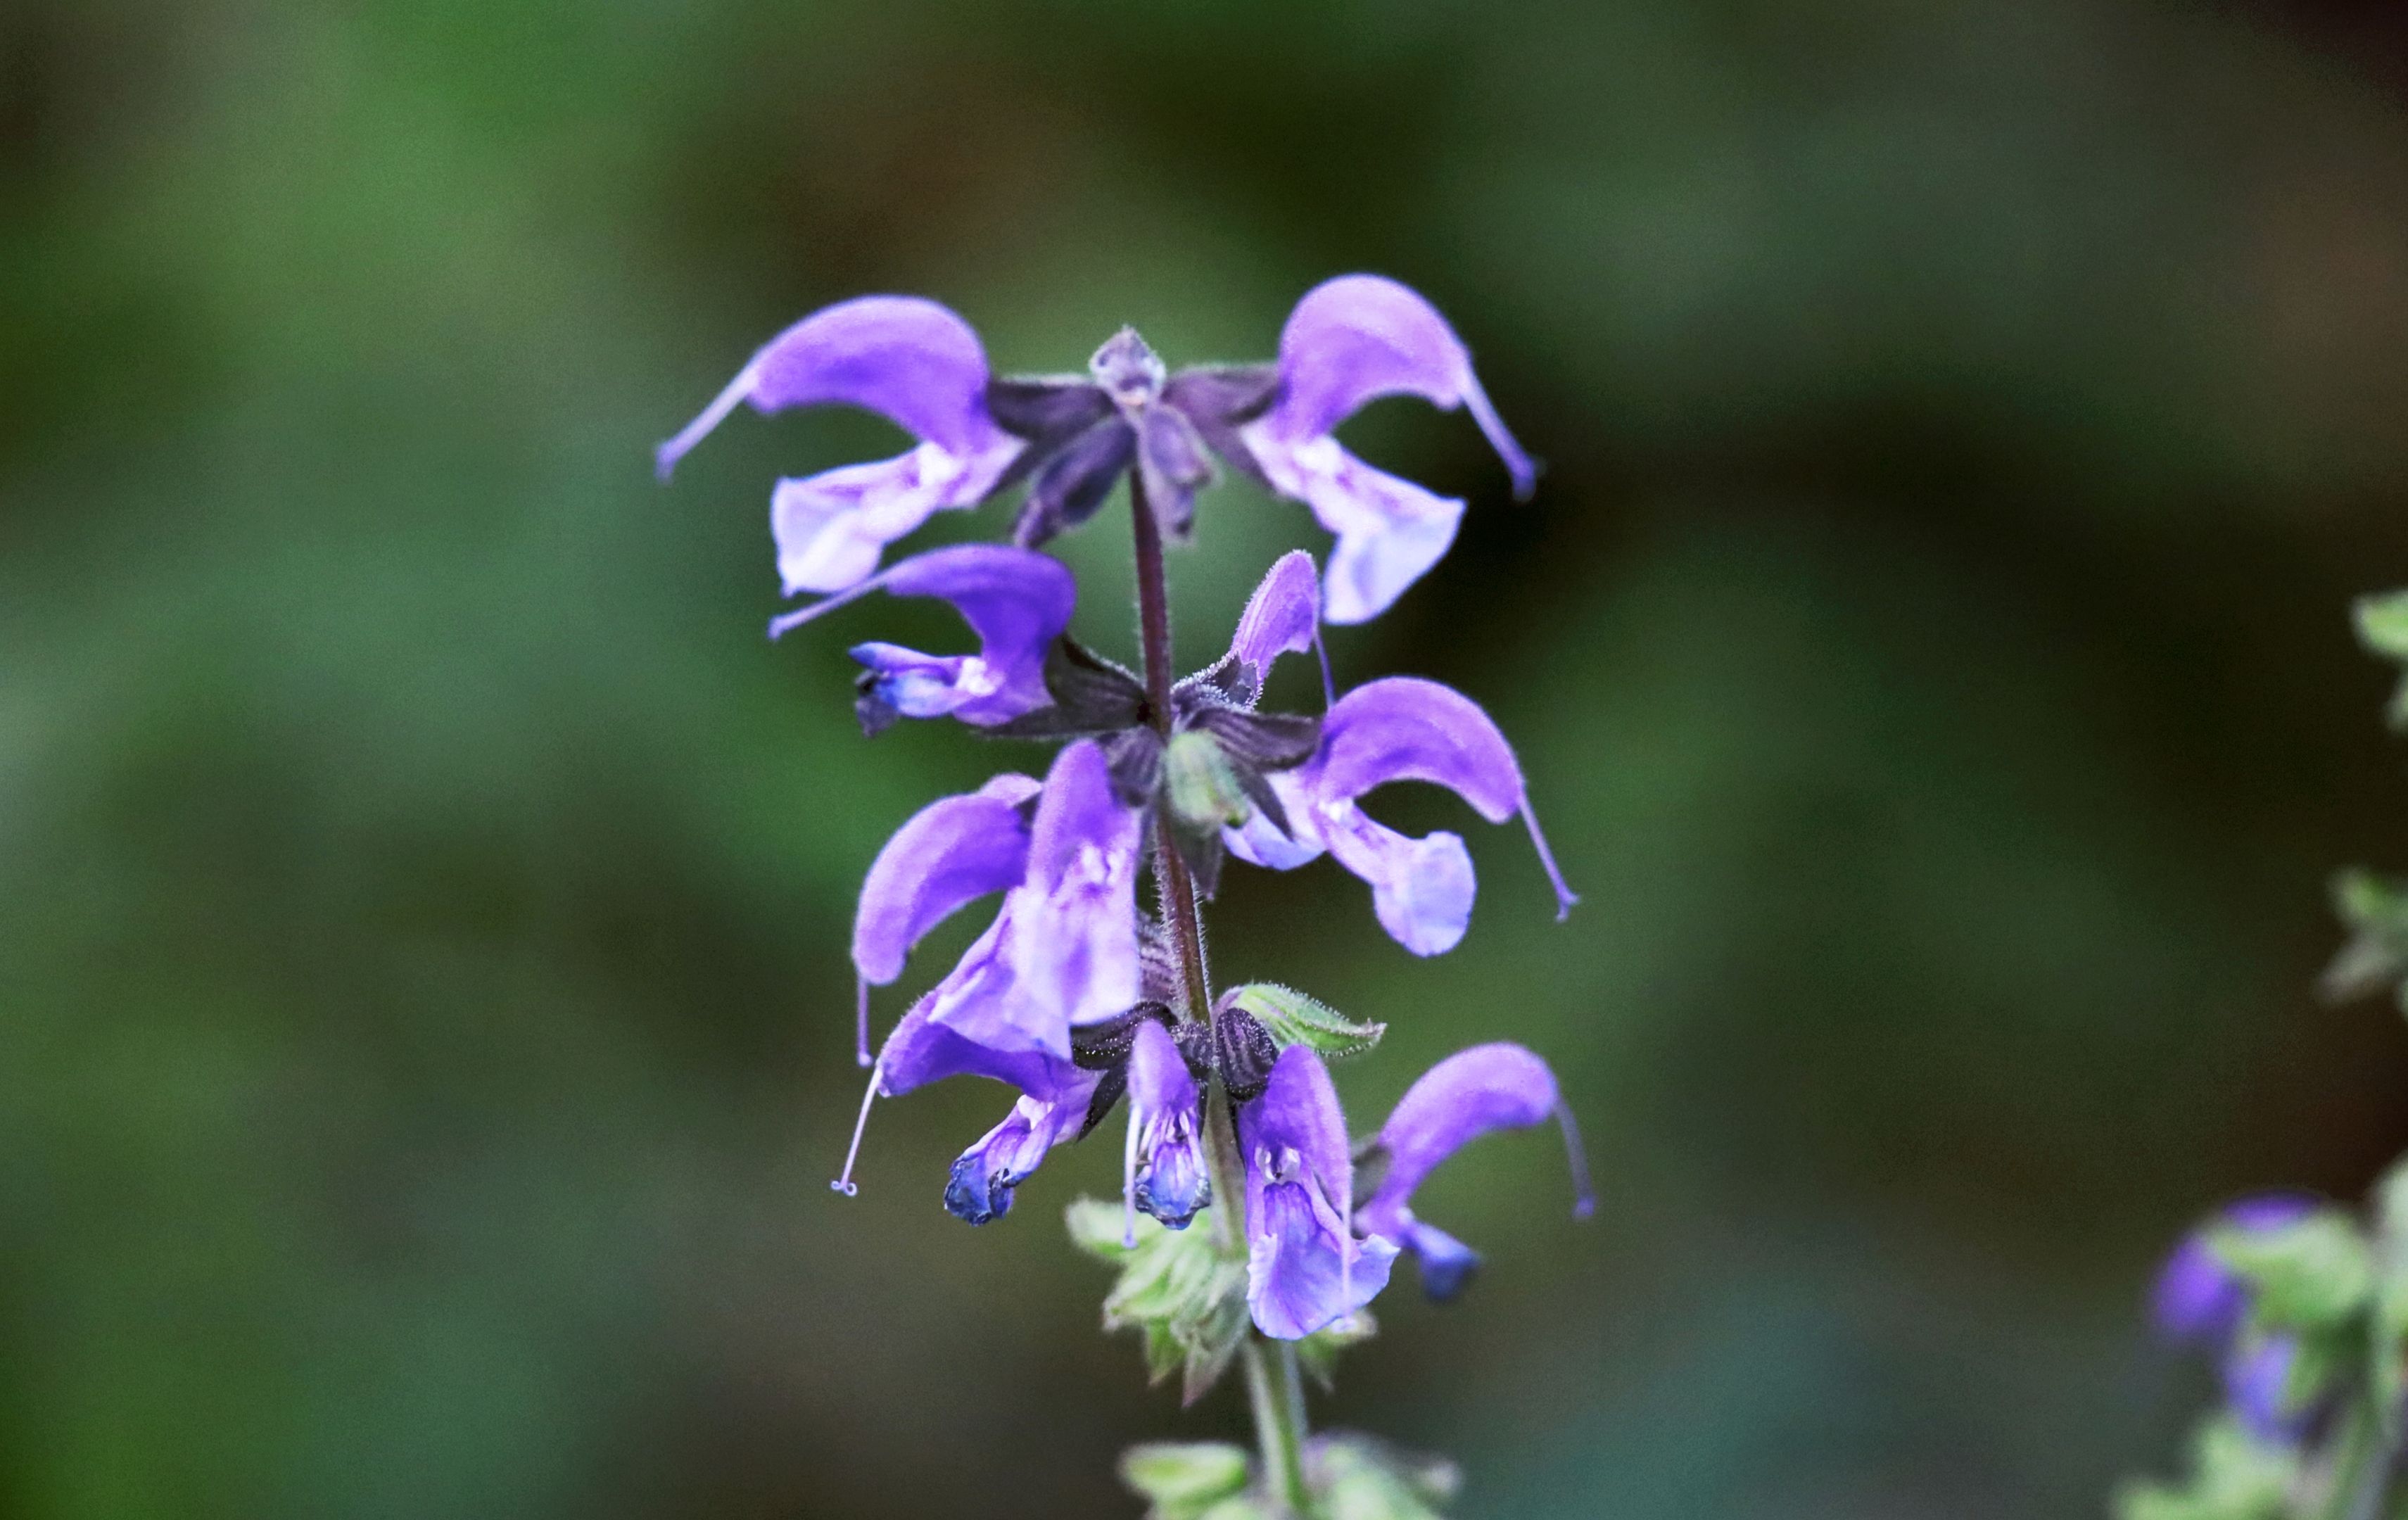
(1583, 1200)
(844, 1182)
(1565, 896)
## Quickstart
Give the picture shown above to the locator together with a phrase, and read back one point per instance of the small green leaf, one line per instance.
(2313, 1273)
(2234, 1476)
(1291, 1018)
(1184, 1479)
(2383, 628)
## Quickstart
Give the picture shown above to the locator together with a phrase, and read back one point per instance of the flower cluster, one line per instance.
(1078, 996)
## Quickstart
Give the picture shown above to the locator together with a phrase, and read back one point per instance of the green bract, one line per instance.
(1291, 1018)
(1183, 1291)
(1184, 1480)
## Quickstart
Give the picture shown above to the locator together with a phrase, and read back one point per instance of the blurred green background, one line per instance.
(423, 894)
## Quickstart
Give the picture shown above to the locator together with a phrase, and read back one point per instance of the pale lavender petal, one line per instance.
(1403, 728)
(1471, 1092)
(831, 528)
(1357, 338)
(1390, 531)
(920, 1051)
(907, 358)
(1304, 1271)
(950, 854)
(1421, 889)
(1259, 841)
(1073, 939)
(1283, 617)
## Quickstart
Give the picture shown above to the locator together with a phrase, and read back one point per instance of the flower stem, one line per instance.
(1273, 1388)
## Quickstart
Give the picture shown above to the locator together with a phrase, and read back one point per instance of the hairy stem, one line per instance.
(1273, 1388)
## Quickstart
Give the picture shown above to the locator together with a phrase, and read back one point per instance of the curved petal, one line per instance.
(1017, 601)
(1403, 728)
(1072, 941)
(1406, 729)
(831, 528)
(1390, 531)
(1259, 841)
(1282, 617)
(1357, 338)
(1471, 1092)
(922, 1051)
(1446, 1263)
(2258, 1378)
(949, 854)
(904, 357)
(1421, 889)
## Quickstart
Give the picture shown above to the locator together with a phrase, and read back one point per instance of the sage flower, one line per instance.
(909, 360)
(1016, 602)
(1349, 342)
(1305, 1268)
(1399, 729)
(1471, 1092)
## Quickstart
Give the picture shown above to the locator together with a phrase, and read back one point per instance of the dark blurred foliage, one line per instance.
(424, 895)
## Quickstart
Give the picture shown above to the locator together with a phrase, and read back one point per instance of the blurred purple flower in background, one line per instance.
(2200, 1301)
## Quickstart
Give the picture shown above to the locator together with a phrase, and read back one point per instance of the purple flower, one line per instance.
(947, 854)
(978, 1187)
(2258, 1388)
(1064, 950)
(1055, 1098)
(1163, 1172)
(1399, 729)
(2199, 1298)
(1282, 617)
(2200, 1301)
(1016, 601)
(1471, 1092)
(1350, 341)
(907, 359)
(1305, 1268)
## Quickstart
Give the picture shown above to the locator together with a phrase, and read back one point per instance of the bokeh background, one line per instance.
(424, 1019)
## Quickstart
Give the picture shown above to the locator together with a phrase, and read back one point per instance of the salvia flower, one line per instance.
(1061, 953)
(1350, 341)
(1399, 729)
(1016, 602)
(1305, 1268)
(2200, 1301)
(909, 360)
(1163, 1172)
(1471, 1092)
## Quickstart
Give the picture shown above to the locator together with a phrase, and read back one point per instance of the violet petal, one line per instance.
(947, 854)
